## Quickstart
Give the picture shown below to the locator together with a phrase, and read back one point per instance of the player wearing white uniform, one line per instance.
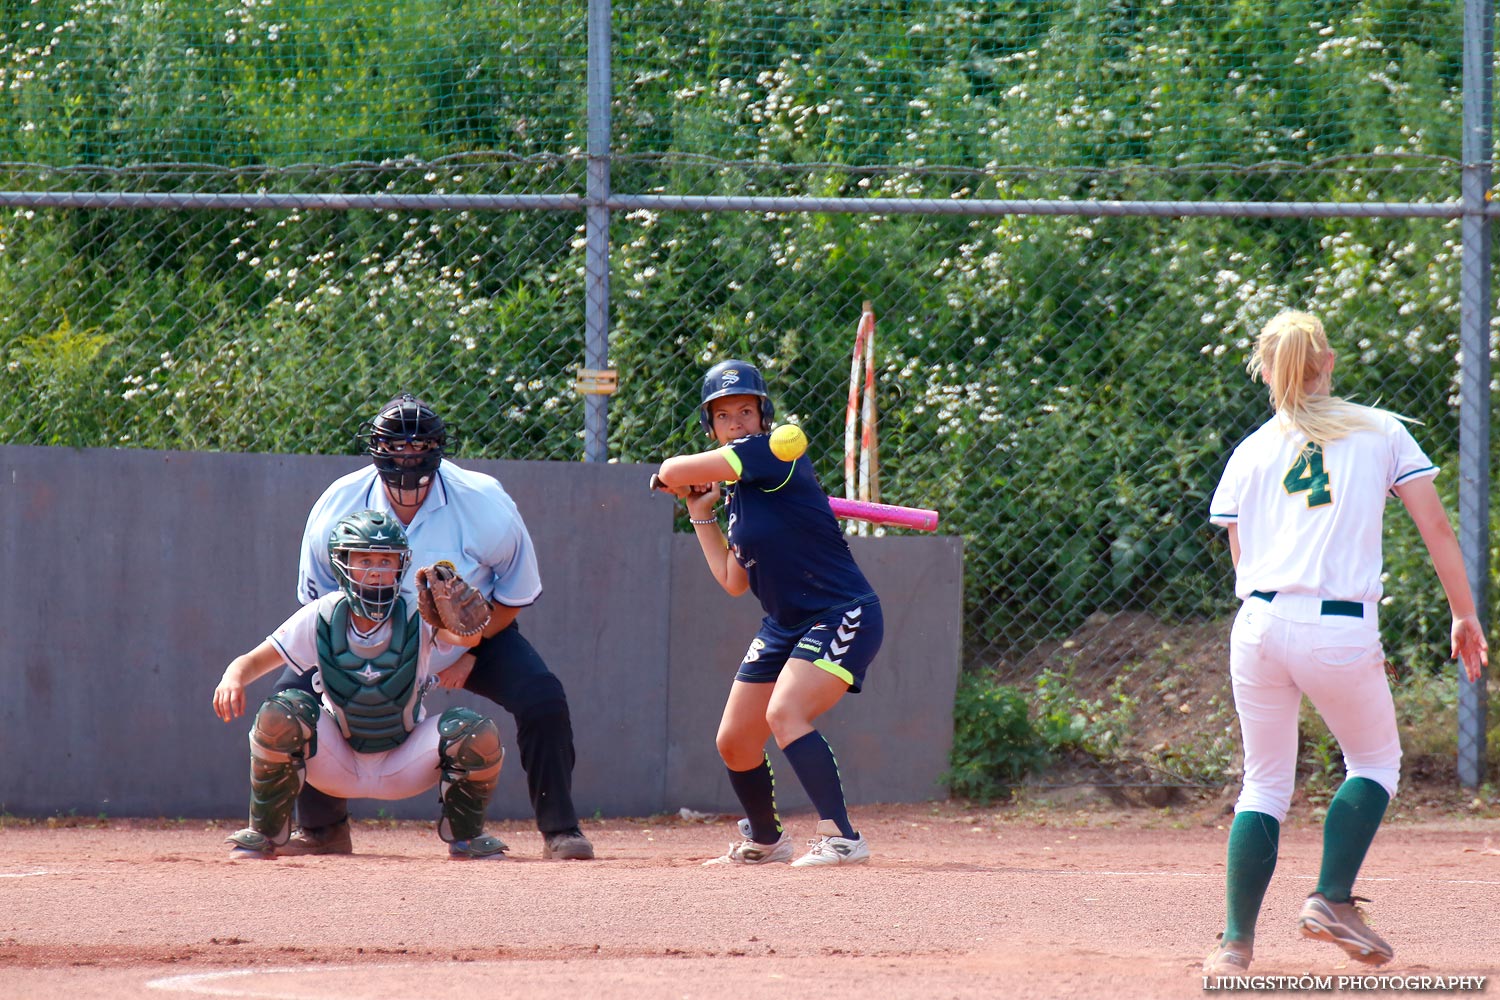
(468, 519)
(1303, 499)
(371, 659)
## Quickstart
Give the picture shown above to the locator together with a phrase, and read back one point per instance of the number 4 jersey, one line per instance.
(1309, 517)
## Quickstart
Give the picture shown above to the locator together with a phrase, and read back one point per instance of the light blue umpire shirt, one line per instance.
(467, 519)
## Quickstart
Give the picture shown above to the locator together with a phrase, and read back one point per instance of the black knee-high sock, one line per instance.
(756, 789)
(812, 758)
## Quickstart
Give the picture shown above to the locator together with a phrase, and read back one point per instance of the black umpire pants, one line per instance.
(509, 672)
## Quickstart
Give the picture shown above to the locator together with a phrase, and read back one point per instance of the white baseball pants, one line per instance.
(1282, 649)
(398, 773)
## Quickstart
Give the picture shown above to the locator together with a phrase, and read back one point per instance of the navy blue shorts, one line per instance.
(841, 642)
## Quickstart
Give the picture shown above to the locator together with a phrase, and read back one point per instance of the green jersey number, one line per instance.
(1307, 476)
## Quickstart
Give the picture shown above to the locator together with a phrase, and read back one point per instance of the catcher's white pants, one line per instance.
(398, 773)
(1280, 650)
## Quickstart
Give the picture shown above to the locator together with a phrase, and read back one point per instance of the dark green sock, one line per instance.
(1353, 817)
(1253, 842)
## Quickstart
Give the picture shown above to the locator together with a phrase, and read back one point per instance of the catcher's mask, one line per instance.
(407, 440)
(734, 378)
(368, 531)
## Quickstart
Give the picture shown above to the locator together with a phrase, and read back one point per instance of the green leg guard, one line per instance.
(283, 737)
(471, 755)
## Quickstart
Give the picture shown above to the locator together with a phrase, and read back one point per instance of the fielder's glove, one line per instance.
(446, 600)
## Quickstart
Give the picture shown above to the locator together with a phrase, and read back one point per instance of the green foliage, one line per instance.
(1001, 734)
(56, 372)
(1205, 754)
(1089, 84)
(1426, 707)
(1064, 390)
(121, 82)
(995, 744)
(1068, 721)
(1414, 617)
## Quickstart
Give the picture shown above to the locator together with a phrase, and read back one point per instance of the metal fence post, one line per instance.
(596, 231)
(1474, 402)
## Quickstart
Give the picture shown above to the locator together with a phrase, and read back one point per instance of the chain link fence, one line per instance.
(240, 228)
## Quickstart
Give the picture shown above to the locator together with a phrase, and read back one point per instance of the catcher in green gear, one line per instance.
(374, 658)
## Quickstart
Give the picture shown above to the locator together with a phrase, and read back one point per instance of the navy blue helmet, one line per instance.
(734, 378)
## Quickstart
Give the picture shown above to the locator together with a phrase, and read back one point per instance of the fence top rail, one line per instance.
(570, 202)
(230, 201)
(1004, 206)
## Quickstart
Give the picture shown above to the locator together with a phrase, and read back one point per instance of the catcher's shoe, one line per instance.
(1229, 958)
(1344, 925)
(333, 839)
(832, 848)
(481, 848)
(252, 844)
(751, 852)
(569, 845)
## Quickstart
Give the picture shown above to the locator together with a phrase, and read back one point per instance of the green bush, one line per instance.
(995, 744)
(1002, 734)
(1066, 721)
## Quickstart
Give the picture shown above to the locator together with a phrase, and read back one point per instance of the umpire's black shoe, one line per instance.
(333, 839)
(569, 845)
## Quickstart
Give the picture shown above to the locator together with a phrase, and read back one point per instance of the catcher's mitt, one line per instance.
(446, 600)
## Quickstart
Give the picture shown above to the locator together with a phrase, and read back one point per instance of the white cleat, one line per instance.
(748, 852)
(830, 847)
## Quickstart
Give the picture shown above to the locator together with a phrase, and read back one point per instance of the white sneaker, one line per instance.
(748, 852)
(830, 848)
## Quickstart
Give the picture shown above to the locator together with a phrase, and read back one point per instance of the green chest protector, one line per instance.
(375, 701)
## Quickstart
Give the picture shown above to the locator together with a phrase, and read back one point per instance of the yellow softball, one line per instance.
(788, 443)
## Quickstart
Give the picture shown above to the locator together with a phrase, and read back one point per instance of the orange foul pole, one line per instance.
(861, 463)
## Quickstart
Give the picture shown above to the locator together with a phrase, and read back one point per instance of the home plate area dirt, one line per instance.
(958, 901)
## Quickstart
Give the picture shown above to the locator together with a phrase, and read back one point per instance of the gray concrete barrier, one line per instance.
(131, 578)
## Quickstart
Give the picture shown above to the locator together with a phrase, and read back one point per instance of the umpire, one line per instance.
(468, 519)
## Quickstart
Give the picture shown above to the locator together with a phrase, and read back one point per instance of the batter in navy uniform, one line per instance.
(822, 627)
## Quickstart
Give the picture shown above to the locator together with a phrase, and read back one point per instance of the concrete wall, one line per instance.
(129, 579)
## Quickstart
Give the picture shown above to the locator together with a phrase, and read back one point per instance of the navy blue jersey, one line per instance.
(782, 532)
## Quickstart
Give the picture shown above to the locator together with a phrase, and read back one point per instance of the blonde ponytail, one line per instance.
(1289, 357)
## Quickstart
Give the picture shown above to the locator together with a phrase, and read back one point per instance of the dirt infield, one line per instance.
(958, 902)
